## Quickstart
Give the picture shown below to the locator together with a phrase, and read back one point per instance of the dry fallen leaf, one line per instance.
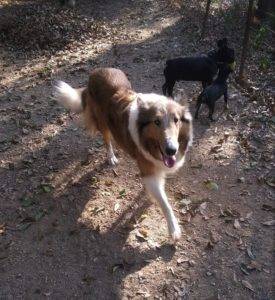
(202, 207)
(216, 149)
(244, 269)
(116, 208)
(182, 260)
(186, 217)
(269, 223)
(241, 180)
(270, 180)
(144, 232)
(249, 252)
(240, 242)
(142, 217)
(116, 267)
(248, 285)
(211, 185)
(96, 210)
(140, 236)
(144, 294)
(249, 215)
(268, 207)
(191, 263)
(152, 244)
(254, 265)
(109, 182)
(2, 229)
(237, 224)
(214, 237)
(171, 270)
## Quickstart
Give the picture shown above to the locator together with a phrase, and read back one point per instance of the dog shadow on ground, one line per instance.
(60, 243)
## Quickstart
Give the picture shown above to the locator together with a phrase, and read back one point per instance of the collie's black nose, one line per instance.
(170, 150)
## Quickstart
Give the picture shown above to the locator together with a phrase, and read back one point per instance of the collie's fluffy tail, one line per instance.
(69, 97)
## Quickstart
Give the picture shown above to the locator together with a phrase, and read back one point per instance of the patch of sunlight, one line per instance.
(156, 28)
(66, 176)
(94, 214)
(26, 73)
(221, 143)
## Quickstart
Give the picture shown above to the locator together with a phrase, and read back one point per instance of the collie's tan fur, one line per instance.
(141, 124)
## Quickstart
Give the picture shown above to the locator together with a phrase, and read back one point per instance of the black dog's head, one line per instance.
(225, 55)
(222, 43)
(212, 54)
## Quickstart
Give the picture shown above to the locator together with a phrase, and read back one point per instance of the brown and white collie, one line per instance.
(154, 130)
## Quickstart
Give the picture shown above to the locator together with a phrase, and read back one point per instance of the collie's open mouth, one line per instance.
(169, 161)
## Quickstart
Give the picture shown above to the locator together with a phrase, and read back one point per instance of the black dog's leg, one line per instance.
(198, 105)
(205, 84)
(170, 86)
(211, 107)
(225, 95)
(164, 88)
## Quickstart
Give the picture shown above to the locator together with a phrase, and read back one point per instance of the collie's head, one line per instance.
(162, 130)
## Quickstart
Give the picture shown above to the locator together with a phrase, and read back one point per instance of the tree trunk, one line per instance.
(265, 8)
(246, 39)
(205, 17)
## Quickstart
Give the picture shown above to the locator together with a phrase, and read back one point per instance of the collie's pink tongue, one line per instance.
(169, 161)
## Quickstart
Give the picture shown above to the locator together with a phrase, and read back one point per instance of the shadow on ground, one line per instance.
(63, 236)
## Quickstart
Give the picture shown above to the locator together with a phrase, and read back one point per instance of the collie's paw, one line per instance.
(112, 160)
(175, 233)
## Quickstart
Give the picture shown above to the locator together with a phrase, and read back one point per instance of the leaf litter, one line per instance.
(189, 211)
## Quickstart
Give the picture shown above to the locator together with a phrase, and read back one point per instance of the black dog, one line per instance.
(214, 91)
(197, 68)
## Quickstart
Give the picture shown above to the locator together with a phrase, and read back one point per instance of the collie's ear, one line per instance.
(186, 116)
(141, 102)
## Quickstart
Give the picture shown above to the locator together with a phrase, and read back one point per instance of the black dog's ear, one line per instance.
(222, 43)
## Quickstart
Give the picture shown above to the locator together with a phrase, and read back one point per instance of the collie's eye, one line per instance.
(157, 122)
(176, 120)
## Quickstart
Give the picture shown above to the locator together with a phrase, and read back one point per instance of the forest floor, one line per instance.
(73, 228)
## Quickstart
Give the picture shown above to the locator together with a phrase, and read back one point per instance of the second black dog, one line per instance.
(213, 92)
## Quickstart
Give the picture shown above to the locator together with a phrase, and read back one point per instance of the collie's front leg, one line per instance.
(111, 155)
(112, 160)
(155, 188)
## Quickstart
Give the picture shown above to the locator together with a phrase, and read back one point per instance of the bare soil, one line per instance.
(73, 228)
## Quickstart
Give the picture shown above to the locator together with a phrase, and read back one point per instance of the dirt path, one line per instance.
(72, 228)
